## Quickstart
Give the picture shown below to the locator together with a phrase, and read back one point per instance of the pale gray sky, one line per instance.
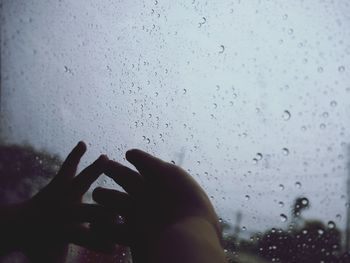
(220, 81)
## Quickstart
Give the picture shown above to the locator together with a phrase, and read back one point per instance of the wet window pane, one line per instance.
(252, 97)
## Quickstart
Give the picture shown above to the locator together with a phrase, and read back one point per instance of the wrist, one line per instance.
(194, 224)
(192, 239)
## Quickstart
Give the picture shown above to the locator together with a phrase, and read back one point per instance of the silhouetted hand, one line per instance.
(162, 206)
(43, 226)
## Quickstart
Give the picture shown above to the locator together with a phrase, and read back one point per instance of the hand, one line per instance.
(157, 197)
(43, 226)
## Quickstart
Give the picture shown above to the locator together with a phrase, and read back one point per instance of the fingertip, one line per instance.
(103, 158)
(81, 146)
(130, 153)
(134, 155)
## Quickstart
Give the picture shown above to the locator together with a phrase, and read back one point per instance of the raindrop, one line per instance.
(247, 197)
(298, 185)
(325, 114)
(184, 91)
(244, 228)
(320, 231)
(255, 161)
(283, 217)
(338, 216)
(281, 186)
(322, 126)
(222, 49)
(285, 17)
(285, 151)
(204, 20)
(305, 201)
(333, 103)
(259, 156)
(331, 225)
(281, 204)
(286, 115)
(341, 68)
(290, 31)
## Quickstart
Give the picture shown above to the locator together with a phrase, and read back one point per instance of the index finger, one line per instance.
(69, 166)
(82, 182)
(145, 163)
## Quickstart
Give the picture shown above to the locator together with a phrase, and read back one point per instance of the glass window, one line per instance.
(251, 97)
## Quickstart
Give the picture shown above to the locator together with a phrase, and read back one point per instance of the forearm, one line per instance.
(193, 240)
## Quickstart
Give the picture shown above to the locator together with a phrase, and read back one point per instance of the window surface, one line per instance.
(251, 97)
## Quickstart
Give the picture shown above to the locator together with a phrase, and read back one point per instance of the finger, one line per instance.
(119, 233)
(69, 166)
(82, 182)
(145, 163)
(130, 180)
(93, 240)
(91, 213)
(118, 201)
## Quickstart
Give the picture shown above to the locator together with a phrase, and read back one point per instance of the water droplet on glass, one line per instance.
(222, 47)
(283, 217)
(341, 68)
(320, 69)
(285, 17)
(259, 156)
(320, 231)
(322, 126)
(305, 201)
(281, 204)
(281, 187)
(286, 115)
(184, 91)
(290, 31)
(247, 197)
(255, 161)
(244, 228)
(325, 114)
(285, 151)
(333, 103)
(204, 20)
(298, 185)
(331, 225)
(338, 216)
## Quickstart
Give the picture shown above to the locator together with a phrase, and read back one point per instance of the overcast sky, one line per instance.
(252, 96)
